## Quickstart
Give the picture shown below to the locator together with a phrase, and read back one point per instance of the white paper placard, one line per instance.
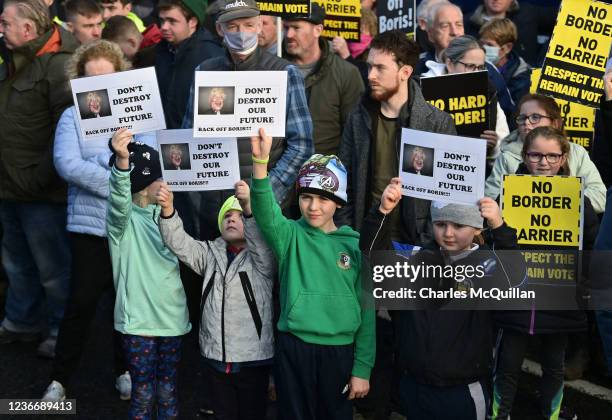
(442, 167)
(197, 164)
(239, 103)
(109, 102)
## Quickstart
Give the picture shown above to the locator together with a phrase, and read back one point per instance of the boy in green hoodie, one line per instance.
(326, 342)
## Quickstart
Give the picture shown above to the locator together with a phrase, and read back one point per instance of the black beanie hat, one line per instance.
(145, 168)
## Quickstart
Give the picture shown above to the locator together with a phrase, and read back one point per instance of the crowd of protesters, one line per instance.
(268, 275)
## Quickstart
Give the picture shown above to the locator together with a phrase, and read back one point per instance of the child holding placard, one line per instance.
(446, 358)
(326, 341)
(236, 329)
(546, 151)
(150, 305)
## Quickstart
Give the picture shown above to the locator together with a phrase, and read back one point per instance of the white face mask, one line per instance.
(242, 43)
(492, 54)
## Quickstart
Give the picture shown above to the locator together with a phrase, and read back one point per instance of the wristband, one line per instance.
(262, 161)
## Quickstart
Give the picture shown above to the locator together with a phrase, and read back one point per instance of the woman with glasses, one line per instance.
(534, 111)
(466, 54)
(546, 151)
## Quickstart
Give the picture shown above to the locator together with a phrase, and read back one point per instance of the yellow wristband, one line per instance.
(262, 161)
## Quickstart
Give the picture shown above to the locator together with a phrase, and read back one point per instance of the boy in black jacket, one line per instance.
(445, 357)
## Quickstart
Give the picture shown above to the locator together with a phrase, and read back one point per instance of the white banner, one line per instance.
(442, 167)
(109, 102)
(196, 164)
(239, 103)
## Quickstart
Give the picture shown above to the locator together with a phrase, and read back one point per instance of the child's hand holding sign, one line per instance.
(391, 196)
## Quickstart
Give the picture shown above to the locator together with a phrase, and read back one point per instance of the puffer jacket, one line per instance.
(579, 163)
(83, 164)
(33, 96)
(236, 304)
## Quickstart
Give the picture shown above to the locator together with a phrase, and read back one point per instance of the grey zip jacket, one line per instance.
(236, 305)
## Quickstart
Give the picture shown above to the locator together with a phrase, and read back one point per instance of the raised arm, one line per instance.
(191, 252)
(275, 228)
(120, 198)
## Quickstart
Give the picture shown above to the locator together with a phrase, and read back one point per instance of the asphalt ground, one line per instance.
(24, 375)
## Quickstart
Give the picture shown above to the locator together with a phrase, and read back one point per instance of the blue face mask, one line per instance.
(492, 54)
(240, 42)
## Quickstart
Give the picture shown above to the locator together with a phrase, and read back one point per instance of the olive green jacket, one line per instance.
(33, 96)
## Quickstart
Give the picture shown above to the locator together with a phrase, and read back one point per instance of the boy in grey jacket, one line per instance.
(236, 330)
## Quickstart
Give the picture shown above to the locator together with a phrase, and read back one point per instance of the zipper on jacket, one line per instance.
(223, 315)
(251, 302)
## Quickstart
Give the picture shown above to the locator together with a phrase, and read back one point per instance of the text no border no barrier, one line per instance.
(578, 51)
(545, 210)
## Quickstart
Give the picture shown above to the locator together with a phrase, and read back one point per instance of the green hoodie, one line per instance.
(320, 284)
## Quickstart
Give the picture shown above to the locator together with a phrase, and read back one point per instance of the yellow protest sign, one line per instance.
(545, 210)
(285, 8)
(578, 120)
(342, 19)
(578, 51)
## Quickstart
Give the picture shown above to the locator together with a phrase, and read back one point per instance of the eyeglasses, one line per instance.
(533, 118)
(535, 157)
(472, 67)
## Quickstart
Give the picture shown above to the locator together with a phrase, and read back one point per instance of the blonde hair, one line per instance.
(217, 92)
(369, 21)
(94, 96)
(94, 50)
(35, 11)
(501, 31)
(415, 151)
(175, 149)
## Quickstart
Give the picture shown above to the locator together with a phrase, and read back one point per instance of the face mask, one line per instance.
(240, 42)
(492, 53)
(357, 48)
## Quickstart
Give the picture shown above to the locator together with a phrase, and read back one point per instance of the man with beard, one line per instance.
(372, 159)
(370, 151)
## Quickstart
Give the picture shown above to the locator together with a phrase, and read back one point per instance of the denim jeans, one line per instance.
(36, 258)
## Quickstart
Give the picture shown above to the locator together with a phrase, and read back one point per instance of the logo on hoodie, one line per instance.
(344, 261)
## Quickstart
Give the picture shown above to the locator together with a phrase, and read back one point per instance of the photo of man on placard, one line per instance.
(176, 157)
(216, 100)
(418, 160)
(94, 104)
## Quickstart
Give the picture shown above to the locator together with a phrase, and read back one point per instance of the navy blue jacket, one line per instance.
(175, 68)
